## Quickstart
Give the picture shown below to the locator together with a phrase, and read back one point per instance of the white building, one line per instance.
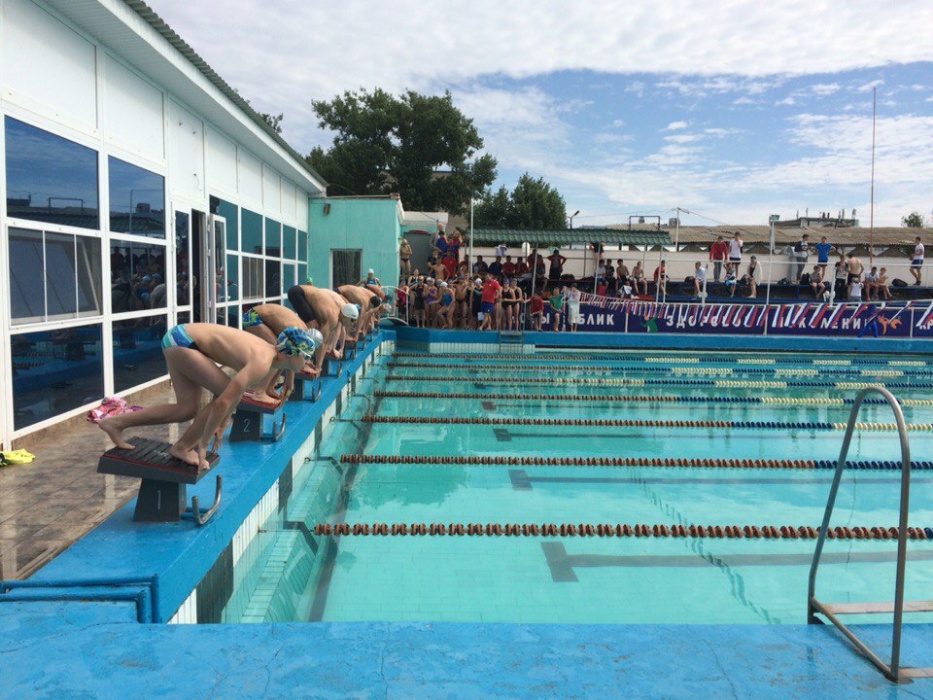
(133, 175)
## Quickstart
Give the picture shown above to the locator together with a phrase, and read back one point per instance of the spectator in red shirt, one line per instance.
(450, 264)
(536, 310)
(718, 252)
(508, 267)
(491, 291)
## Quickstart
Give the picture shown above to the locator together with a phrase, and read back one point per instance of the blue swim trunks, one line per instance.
(179, 338)
(251, 318)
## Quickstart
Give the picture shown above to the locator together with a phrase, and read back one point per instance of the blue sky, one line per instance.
(731, 111)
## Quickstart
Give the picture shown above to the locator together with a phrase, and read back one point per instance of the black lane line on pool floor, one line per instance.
(521, 481)
(562, 564)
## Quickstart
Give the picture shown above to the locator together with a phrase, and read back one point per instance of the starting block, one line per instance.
(247, 421)
(161, 496)
(330, 367)
(305, 389)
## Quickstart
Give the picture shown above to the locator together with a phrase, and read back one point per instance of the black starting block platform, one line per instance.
(305, 389)
(247, 421)
(162, 495)
(330, 367)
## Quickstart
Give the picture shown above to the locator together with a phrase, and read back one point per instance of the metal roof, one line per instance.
(880, 236)
(559, 237)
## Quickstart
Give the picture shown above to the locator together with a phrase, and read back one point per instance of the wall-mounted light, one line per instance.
(326, 208)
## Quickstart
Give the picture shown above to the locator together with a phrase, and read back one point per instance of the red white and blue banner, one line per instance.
(875, 319)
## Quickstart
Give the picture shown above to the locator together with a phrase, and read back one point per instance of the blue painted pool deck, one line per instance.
(94, 649)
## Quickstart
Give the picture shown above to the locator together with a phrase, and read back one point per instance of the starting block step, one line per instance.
(247, 420)
(305, 389)
(162, 496)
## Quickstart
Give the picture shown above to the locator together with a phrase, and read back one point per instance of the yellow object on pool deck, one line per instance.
(17, 456)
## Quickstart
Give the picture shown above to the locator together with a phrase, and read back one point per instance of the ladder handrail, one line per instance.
(892, 670)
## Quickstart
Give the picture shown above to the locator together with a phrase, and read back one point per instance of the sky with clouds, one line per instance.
(732, 110)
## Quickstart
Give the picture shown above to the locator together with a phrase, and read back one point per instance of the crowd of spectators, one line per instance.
(511, 292)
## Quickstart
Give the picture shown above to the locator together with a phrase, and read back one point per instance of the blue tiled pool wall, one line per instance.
(282, 565)
(218, 596)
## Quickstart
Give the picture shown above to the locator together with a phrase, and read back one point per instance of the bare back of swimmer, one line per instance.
(369, 303)
(267, 321)
(192, 354)
(321, 308)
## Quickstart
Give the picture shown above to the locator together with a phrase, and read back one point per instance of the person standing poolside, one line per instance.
(801, 253)
(729, 280)
(556, 302)
(268, 321)
(916, 262)
(699, 279)
(573, 306)
(735, 251)
(491, 292)
(557, 265)
(192, 352)
(404, 256)
(372, 283)
(754, 277)
(718, 252)
(823, 249)
(854, 272)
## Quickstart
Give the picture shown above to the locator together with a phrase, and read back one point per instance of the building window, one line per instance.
(53, 276)
(137, 351)
(137, 276)
(137, 200)
(49, 178)
(252, 285)
(288, 242)
(252, 232)
(273, 279)
(346, 266)
(273, 238)
(54, 372)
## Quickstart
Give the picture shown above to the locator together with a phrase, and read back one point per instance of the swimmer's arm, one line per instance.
(223, 406)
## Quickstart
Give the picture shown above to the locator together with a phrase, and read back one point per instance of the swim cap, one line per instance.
(371, 271)
(296, 341)
(443, 284)
(308, 280)
(350, 311)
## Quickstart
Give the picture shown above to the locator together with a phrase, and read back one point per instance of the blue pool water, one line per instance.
(291, 573)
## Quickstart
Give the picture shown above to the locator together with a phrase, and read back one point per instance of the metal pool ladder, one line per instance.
(893, 671)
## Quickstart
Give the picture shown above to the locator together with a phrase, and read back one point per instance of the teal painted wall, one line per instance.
(368, 225)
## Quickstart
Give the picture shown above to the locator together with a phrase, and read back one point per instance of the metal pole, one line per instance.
(770, 264)
(871, 216)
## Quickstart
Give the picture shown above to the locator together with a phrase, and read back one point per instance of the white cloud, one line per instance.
(825, 89)
(674, 126)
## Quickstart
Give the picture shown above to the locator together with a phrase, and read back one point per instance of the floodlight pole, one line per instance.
(470, 266)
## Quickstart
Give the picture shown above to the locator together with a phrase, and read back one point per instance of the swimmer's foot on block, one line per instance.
(150, 460)
(162, 491)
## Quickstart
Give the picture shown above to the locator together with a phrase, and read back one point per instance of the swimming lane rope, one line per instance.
(646, 398)
(689, 370)
(768, 532)
(493, 358)
(533, 460)
(638, 423)
(718, 383)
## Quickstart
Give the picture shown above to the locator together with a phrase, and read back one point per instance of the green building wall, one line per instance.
(368, 224)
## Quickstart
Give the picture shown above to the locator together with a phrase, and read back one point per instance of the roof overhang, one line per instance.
(559, 237)
(138, 36)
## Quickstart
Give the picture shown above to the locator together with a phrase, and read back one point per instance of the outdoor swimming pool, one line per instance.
(649, 442)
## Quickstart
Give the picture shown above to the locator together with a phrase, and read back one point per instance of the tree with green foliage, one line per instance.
(273, 120)
(913, 220)
(389, 144)
(533, 204)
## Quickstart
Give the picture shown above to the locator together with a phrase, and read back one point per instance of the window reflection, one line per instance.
(288, 275)
(302, 246)
(273, 278)
(273, 238)
(288, 242)
(229, 212)
(137, 200)
(49, 178)
(137, 276)
(54, 275)
(54, 372)
(252, 232)
(252, 278)
(184, 281)
(233, 285)
(137, 351)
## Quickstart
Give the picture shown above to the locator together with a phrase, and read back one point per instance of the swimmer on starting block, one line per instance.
(192, 352)
(267, 321)
(370, 306)
(327, 311)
